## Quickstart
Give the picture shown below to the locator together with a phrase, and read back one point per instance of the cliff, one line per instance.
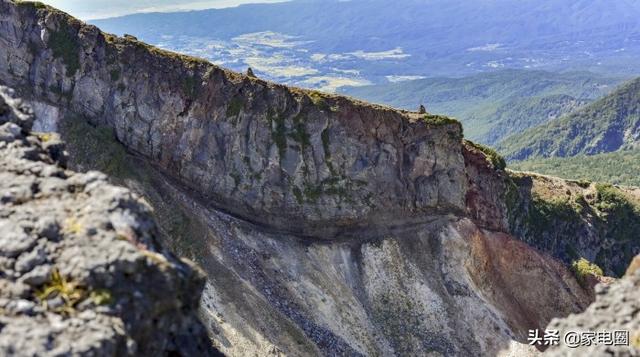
(81, 272)
(326, 226)
(260, 150)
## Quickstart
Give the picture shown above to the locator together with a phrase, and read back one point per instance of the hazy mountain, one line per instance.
(494, 105)
(100, 9)
(330, 43)
(609, 124)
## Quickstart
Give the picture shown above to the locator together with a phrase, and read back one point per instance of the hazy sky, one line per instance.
(95, 9)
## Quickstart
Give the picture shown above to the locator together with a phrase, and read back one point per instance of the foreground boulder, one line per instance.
(80, 270)
(616, 308)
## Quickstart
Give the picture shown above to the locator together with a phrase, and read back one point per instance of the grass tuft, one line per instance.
(58, 286)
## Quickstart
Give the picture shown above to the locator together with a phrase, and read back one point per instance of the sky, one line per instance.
(97, 9)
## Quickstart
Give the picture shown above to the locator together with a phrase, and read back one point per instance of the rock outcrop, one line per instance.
(326, 226)
(81, 272)
(615, 309)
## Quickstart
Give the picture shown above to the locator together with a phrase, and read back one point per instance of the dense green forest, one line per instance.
(620, 168)
(610, 124)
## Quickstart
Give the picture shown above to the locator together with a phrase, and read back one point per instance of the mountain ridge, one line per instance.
(607, 125)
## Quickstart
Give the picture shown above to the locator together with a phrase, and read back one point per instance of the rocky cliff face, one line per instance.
(80, 270)
(260, 150)
(326, 226)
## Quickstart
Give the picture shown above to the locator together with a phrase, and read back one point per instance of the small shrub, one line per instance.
(610, 198)
(319, 100)
(582, 268)
(101, 297)
(583, 183)
(434, 119)
(45, 137)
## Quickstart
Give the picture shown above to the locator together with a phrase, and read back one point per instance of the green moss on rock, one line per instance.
(32, 4)
(190, 86)
(97, 147)
(558, 220)
(297, 193)
(278, 132)
(114, 74)
(496, 159)
(64, 45)
(299, 133)
(235, 107)
(622, 214)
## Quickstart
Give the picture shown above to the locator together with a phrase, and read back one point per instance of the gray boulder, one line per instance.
(80, 270)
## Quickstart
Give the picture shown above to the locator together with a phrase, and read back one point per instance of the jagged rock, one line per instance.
(617, 308)
(80, 270)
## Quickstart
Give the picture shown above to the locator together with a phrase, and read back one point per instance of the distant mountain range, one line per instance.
(609, 124)
(600, 142)
(497, 104)
(330, 43)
